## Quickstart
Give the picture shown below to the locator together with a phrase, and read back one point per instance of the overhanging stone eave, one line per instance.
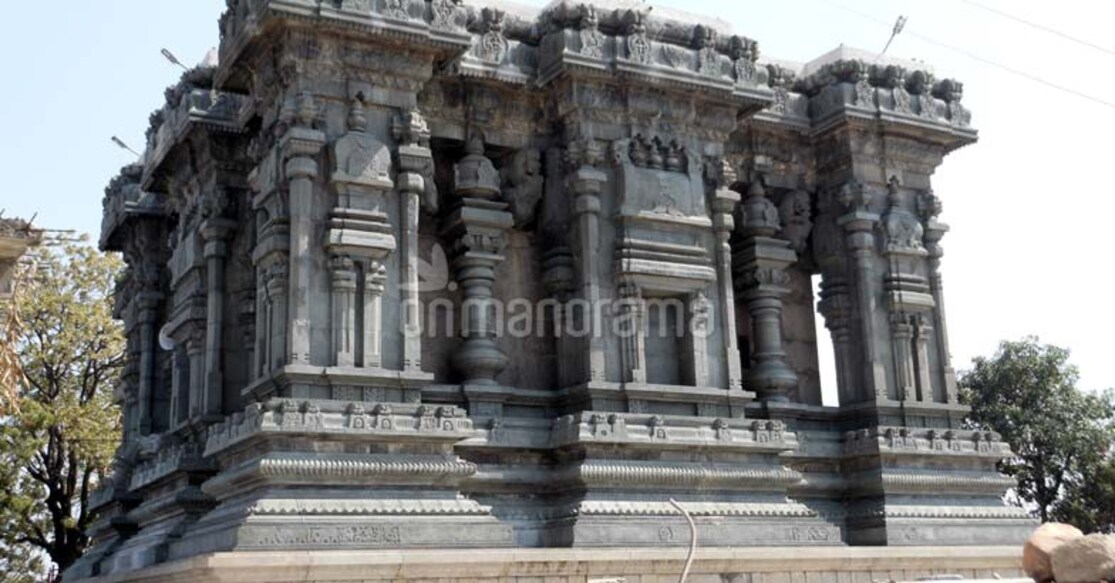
(657, 77)
(889, 407)
(947, 136)
(504, 74)
(950, 137)
(270, 383)
(165, 152)
(573, 66)
(766, 118)
(440, 44)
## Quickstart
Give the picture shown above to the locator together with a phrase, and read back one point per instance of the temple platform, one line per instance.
(736, 565)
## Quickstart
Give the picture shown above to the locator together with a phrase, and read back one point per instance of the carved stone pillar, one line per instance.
(300, 147)
(557, 265)
(724, 203)
(633, 321)
(277, 286)
(761, 263)
(417, 190)
(836, 307)
(375, 278)
(261, 356)
(859, 227)
(148, 320)
(929, 206)
(902, 337)
(477, 225)
(586, 183)
(195, 353)
(922, 329)
(697, 338)
(344, 311)
(216, 230)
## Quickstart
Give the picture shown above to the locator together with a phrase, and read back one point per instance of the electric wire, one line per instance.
(1040, 27)
(975, 57)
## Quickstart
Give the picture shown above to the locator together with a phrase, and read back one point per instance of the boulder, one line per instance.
(1038, 553)
(1086, 559)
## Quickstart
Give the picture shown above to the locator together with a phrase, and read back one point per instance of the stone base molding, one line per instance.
(769, 565)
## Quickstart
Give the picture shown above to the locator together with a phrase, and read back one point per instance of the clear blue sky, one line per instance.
(1030, 205)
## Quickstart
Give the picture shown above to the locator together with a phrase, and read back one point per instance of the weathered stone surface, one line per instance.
(581, 565)
(1088, 558)
(1037, 554)
(425, 274)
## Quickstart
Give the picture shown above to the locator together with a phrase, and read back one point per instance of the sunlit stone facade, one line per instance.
(420, 274)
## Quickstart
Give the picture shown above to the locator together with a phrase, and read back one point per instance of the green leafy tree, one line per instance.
(1089, 504)
(1060, 436)
(58, 440)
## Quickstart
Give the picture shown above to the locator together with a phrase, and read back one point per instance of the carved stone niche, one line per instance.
(361, 178)
(359, 239)
(663, 263)
(903, 236)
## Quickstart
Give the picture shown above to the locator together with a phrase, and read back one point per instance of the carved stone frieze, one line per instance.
(639, 46)
(493, 44)
(592, 40)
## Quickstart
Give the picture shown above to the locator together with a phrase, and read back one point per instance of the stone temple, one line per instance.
(407, 278)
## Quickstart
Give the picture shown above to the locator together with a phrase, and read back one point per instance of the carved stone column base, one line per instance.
(351, 493)
(916, 486)
(735, 488)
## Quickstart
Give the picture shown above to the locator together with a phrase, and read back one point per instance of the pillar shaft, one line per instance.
(859, 228)
(300, 147)
(724, 206)
(344, 311)
(587, 185)
(216, 232)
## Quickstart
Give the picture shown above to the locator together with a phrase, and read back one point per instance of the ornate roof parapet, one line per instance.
(192, 102)
(789, 108)
(522, 46)
(501, 48)
(437, 26)
(123, 200)
(641, 45)
(892, 92)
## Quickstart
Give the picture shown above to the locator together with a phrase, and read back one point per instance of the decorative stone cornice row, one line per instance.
(656, 475)
(943, 512)
(167, 461)
(360, 467)
(656, 508)
(283, 469)
(375, 507)
(358, 419)
(904, 440)
(124, 199)
(666, 432)
(921, 482)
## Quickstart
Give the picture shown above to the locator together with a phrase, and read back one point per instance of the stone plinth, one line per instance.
(769, 565)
